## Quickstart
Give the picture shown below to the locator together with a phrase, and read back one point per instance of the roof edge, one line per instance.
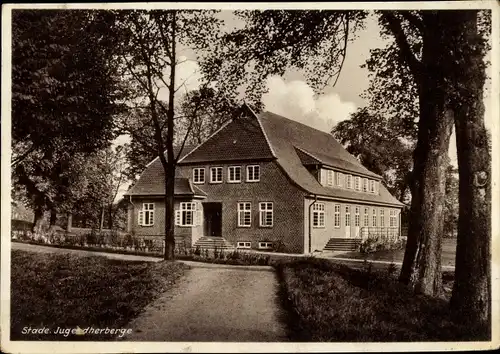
(356, 201)
(261, 128)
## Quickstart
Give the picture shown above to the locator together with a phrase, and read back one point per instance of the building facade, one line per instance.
(268, 183)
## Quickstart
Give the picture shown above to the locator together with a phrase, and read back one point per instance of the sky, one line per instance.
(292, 97)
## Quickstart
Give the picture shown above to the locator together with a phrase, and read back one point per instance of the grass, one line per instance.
(332, 302)
(66, 291)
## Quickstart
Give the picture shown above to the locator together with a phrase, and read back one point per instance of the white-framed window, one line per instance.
(266, 214)
(188, 214)
(244, 214)
(329, 177)
(338, 181)
(265, 245)
(234, 174)
(372, 186)
(336, 215)
(366, 218)
(319, 215)
(356, 216)
(382, 218)
(357, 183)
(147, 214)
(393, 221)
(349, 181)
(215, 174)
(244, 244)
(253, 173)
(347, 216)
(376, 187)
(365, 184)
(199, 175)
(374, 217)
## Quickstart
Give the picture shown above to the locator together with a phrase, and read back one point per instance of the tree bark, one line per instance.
(471, 297)
(37, 222)
(53, 218)
(422, 260)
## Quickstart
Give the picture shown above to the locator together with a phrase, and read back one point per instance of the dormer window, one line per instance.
(348, 181)
(372, 186)
(365, 184)
(329, 177)
(357, 183)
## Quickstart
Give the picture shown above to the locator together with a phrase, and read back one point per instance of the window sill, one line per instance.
(245, 226)
(253, 181)
(319, 227)
(147, 225)
(215, 182)
(234, 181)
(198, 182)
(266, 226)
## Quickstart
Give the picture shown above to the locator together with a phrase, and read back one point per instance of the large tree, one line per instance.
(467, 32)
(152, 56)
(64, 92)
(273, 41)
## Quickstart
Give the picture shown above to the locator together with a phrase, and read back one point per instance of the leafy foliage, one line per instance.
(273, 41)
(65, 89)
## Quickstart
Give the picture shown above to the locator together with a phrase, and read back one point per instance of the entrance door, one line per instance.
(347, 221)
(213, 219)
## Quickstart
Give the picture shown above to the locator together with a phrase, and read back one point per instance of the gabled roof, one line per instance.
(289, 139)
(242, 138)
(151, 181)
(269, 136)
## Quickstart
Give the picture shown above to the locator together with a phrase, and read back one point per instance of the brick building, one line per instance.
(270, 183)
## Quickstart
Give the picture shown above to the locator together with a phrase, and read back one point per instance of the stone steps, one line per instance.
(342, 244)
(211, 243)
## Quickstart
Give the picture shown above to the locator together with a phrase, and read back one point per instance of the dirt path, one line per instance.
(215, 304)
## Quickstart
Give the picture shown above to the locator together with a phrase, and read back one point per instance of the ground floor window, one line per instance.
(382, 220)
(393, 221)
(318, 215)
(147, 214)
(244, 244)
(187, 214)
(244, 214)
(356, 216)
(265, 245)
(266, 214)
(336, 219)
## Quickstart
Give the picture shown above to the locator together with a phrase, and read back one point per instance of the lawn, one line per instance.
(328, 301)
(447, 256)
(66, 291)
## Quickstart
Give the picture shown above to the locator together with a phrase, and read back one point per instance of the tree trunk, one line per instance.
(110, 216)
(169, 212)
(422, 260)
(101, 221)
(53, 218)
(37, 222)
(69, 224)
(471, 297)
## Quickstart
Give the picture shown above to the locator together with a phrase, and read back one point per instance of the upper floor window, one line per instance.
(376, 187)
(266, 214)
(319, 215)
(216, 175)
(365, 184)
(198, 175)
(348, 181)
(372, 186)
(329, 177)
(234, 174)
(340, 177)
(253, 173)
(147, 214)
(244, 214)
(336, 219)
(357, 183)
